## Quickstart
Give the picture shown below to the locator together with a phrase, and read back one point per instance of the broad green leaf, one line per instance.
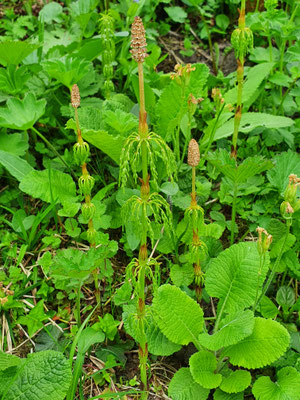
(13, 79)
(287, 386)
(110, 145)
(68, 70)
(285, 297)
(250, 167)
(45, 375)
(291, 260)
(51, 12)
(252, 120)
(13, 52)
(183, 387)
(202, 366)
(233, 275)
(285, 164)
(267, 308)
(8, 360)
(49, 185)
(88, 337)
(178, 316)
(22, 114)
(34, 319)
(171, 107)
(158, 344)
(255, 76)
(182, 275)
(220, 395)
(176, 13)
(236, 382)
(122, 122)
(14, 143)
(233, 329)
(268, 341)
(15, 165)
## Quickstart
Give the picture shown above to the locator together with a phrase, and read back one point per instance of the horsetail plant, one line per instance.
(141, 150)
(108, 54)
(86, 182)
(195, 215)
(242, 42)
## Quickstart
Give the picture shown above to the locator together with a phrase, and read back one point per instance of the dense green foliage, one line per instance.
(149, 225)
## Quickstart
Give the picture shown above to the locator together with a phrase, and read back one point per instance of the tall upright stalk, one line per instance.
(138, 51)
(242, 42)
(85, 182)
(195, 213)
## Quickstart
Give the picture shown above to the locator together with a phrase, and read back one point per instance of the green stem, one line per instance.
(193, 182)
(233, 213)
(270, 48)
(213, 131)
(97, 289)
(78, 305)
(261, 265)
(257, 5)
(274, 269)
(221, 312)
(238, 111)
(54, 150)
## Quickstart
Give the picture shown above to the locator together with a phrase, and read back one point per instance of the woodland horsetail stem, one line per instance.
(138, 52)
(195, 215)
(85, 182)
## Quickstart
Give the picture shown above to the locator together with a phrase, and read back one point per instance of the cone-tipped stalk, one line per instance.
(138, 51)
(195, 212)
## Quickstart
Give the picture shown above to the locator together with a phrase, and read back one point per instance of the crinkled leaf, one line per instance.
(202, 366)
(232, 276)
(236, 382)
(158, 343)
(185, 322)
(268, 341)
(22, 114)
(183, 387)
(49, 185)
(8, 360)
(287, 386)
(182, 275)
(45, 375)
(15, 165)
(252, 120)
(13, 52)
(251, 166)
(233, 329)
